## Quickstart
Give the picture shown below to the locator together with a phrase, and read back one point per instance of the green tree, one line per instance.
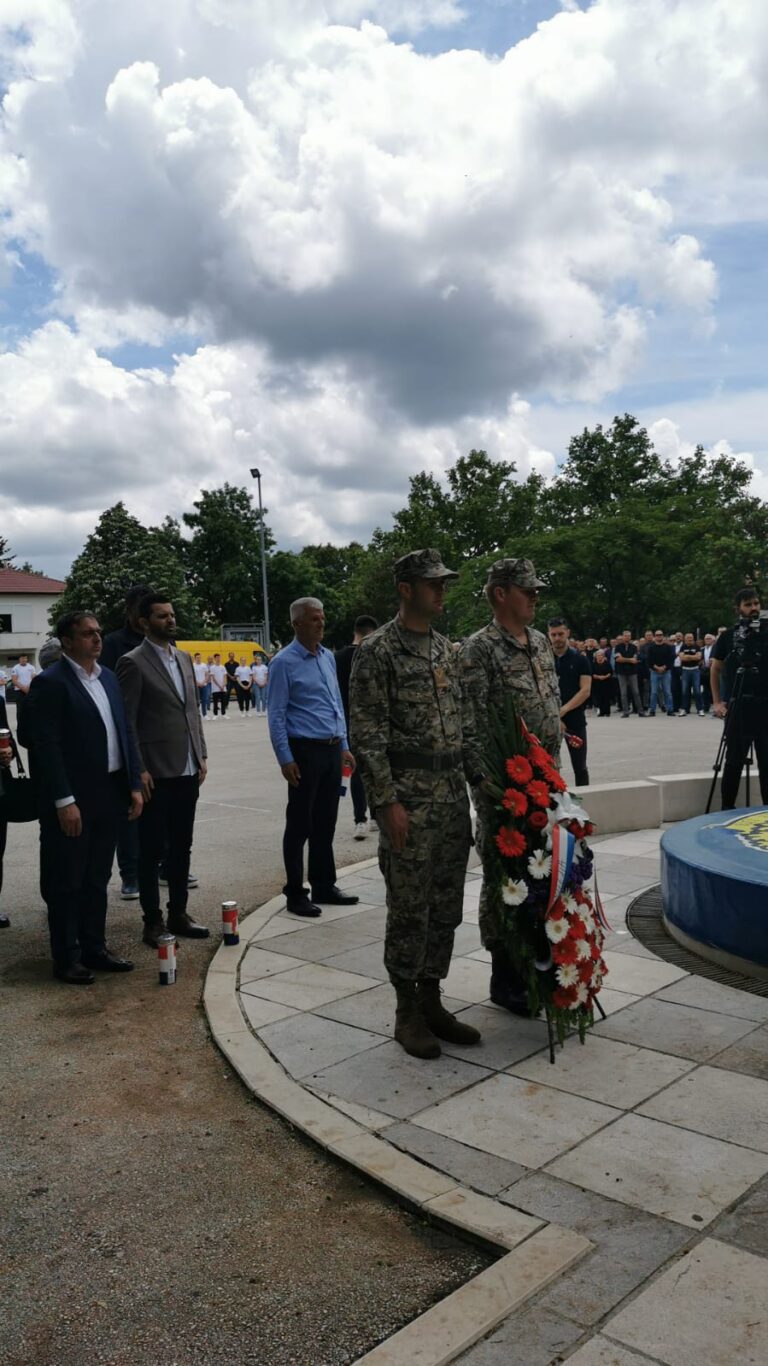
(7, 556)
(120, 552)
(223, 556)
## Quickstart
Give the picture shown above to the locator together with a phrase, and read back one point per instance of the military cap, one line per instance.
(514, 574)
(421, 564)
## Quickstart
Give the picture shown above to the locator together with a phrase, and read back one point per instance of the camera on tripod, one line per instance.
(750, 640)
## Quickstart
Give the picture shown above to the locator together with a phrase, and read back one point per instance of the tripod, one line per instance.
(734, 704)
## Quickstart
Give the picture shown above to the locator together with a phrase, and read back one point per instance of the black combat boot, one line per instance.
(411, 1031)
(507, 989)
(440, 1020)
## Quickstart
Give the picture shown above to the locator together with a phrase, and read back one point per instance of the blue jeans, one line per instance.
(691, 679)
(258, 698)
(664, 682)
(204, 698)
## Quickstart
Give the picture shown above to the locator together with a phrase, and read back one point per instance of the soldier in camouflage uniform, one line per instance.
(506, 658)
(405, 720)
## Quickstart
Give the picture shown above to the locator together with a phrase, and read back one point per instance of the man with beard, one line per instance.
(405, 719)
(507, 658)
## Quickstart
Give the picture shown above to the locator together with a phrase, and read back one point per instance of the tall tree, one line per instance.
(118, 553)
(7, 556)
(223, 556)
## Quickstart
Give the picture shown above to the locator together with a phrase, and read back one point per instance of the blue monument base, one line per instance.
(714, 886)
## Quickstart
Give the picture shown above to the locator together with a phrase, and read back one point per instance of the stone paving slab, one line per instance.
(634, 1144)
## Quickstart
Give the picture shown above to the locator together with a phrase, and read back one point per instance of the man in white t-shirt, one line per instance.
(219, 688)
(202, 679)
(5, 678)
(22, 675)
(259, 675)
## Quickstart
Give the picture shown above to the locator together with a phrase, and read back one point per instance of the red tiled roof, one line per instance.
(15, 581)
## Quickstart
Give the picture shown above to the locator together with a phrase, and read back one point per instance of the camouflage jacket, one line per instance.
(400, 701)
(493, 666)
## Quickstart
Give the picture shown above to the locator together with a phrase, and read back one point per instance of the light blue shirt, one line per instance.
(304, 699)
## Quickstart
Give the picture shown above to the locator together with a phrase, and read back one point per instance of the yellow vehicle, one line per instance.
(239, 648)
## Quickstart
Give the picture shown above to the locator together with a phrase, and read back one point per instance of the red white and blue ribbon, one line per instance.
(563, 846)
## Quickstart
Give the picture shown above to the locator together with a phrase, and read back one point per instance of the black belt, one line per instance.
(431, 763)
(305, 740)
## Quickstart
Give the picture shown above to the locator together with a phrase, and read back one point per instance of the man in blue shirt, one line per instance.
(309, 736)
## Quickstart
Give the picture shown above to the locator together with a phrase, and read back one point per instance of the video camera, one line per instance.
(750, 640)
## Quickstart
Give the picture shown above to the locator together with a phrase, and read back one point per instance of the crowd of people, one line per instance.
(115, 736)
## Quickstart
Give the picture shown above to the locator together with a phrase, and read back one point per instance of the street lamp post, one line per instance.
(256, 474)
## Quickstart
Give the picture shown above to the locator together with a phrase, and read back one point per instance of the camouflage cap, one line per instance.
(421, 564)
(514, 574)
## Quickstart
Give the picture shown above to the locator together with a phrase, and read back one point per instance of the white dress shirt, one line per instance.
(168, 656)
(98, 696)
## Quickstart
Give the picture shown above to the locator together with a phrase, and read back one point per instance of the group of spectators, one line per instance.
(668, 671)
(218, 683)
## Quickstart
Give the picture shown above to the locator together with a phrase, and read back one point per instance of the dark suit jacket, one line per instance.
(165, 727)
(68, 740)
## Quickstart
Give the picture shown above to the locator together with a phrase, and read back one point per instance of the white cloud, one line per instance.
(335, 459)
(379, 249)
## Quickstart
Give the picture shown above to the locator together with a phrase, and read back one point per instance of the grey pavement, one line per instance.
(651, 1140)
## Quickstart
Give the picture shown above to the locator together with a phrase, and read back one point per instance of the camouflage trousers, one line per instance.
(491, 905)
(425, 889)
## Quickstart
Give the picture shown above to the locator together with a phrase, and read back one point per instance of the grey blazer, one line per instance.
(164, 726)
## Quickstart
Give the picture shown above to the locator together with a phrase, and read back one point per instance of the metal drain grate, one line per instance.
(645, 923)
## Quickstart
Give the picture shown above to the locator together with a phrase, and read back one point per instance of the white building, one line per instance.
(25, 601)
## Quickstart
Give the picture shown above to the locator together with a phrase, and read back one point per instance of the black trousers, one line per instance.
(311, 816)
(359, 799)
(166, 827)
(577, 725)
(220, 700)
(75, 871)
(748, 724)
(3, 837)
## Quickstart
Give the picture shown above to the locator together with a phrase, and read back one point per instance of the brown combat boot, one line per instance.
(410, 1030)
(440, 1020)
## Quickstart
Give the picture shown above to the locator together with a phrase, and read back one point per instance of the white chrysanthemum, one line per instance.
(596, 980)
(539, 864)
(556, 929)
(514, 893)
(567, 975)
(570, 904)
(582, 995)
(583, 949)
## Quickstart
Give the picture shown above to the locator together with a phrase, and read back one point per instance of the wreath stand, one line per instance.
(551, 1032)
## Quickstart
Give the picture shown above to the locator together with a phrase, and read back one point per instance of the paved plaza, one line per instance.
(650, 1141)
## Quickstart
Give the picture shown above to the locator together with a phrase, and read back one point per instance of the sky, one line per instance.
(345, 241)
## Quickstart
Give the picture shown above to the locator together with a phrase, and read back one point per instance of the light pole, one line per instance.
(256, 474)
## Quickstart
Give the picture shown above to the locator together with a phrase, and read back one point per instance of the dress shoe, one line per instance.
(187, 928)
(152, 931)
(108, 962)
(74, 974)
(333, 897)
(301, 905)
(5, 921)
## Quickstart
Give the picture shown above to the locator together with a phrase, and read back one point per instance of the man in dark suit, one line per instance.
(88, 772)
(161, 699)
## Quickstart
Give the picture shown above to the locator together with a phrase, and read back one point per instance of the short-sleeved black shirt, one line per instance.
(691, 651)
(571, 667)
(628, 651)
(755, 683)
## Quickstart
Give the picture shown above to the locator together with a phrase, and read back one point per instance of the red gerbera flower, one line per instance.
(564, 998)
(565, 952)
(538, 792)
(555, 781)
(510, 843)
(576, 928)
(539, 757)
(537, 819)
(514, 800)
(586, 969)
(519, 770)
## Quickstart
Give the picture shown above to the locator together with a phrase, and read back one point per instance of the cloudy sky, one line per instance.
(349, 240)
